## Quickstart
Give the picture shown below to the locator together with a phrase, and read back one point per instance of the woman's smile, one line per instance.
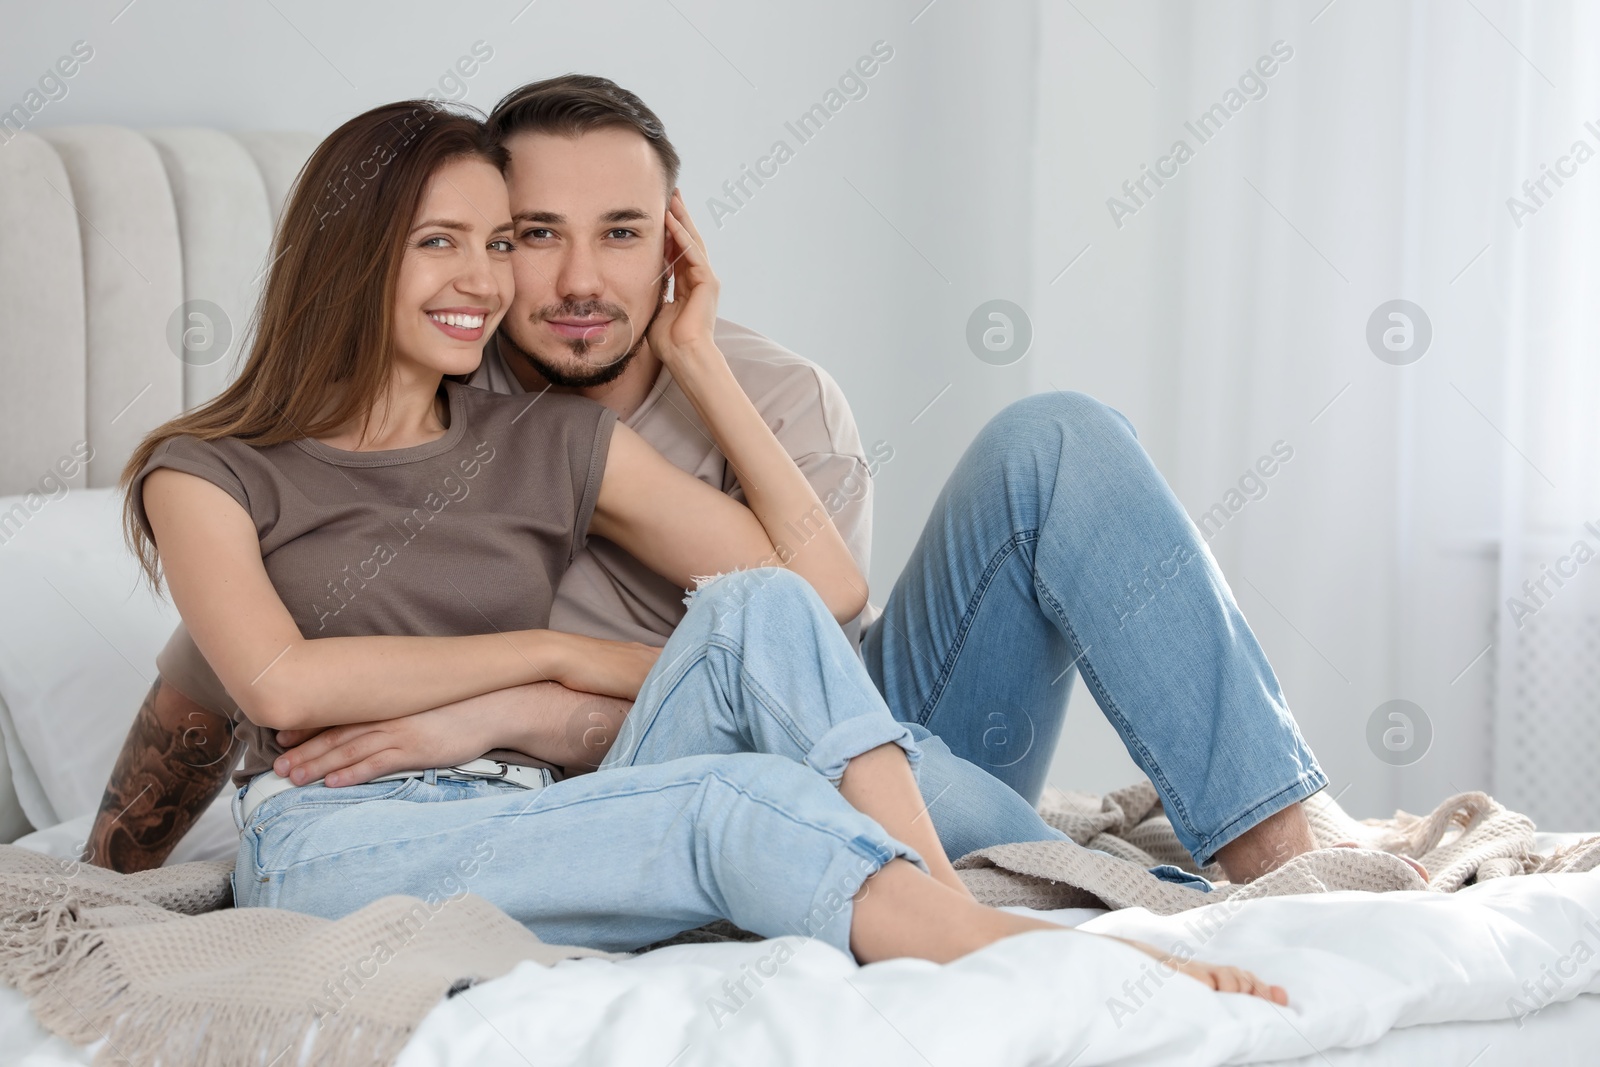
(460, 323)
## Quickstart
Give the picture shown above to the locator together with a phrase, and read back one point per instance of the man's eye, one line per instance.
(538, 233)
(621, 234)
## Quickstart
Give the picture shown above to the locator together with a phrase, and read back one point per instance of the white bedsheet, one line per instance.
(1355, 966)
(1432, 971)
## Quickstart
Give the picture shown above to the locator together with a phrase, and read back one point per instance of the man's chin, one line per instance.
(572, 372)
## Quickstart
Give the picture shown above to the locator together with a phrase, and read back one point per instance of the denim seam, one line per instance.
(638, 743)
(761, 696)
(974, 605)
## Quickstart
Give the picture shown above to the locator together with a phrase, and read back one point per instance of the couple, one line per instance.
(383, 569)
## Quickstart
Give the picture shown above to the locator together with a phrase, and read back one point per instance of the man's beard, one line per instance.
(585, 377)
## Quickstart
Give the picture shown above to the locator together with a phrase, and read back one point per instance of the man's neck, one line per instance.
(623, 395)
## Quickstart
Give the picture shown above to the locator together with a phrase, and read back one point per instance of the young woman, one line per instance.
(351, 535)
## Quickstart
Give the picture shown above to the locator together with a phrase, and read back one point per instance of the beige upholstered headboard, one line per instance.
(108, 237)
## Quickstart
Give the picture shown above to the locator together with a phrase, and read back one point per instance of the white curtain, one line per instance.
(1227, 313)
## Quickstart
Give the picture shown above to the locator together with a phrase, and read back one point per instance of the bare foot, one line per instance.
(1419, 868)
(1222, 979)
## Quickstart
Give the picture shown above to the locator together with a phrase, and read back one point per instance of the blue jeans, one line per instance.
(717, 800)
(1055, 547)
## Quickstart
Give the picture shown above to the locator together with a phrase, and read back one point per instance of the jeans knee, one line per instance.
(1079, 414)
(773, 591)
(1030, 437)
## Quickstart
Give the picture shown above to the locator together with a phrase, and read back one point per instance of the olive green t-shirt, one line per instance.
(468, 534)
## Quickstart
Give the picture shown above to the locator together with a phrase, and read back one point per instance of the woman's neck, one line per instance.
(411, 411)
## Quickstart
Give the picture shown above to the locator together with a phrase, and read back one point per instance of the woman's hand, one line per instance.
(686, 324)
(1222, 979)
(359, 752)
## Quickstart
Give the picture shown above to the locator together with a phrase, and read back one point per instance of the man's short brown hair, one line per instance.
(575, 104)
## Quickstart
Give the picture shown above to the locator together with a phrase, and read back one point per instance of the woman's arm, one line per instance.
(544, 720)
(677, 525)
(212, 559)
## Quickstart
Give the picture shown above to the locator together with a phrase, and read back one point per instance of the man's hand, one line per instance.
(685, 325)
(570, 729)
(594, 665)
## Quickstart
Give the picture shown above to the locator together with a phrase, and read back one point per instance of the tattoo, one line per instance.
(176, 759)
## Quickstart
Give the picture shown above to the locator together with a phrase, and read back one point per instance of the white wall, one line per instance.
(1231, 308)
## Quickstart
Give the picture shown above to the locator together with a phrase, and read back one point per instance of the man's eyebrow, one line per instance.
(459, 227)
(555, 218)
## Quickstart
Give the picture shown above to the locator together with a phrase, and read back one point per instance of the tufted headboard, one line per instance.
(109, 238)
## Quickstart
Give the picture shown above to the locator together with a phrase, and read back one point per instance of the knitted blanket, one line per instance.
(1469, 838)
(164, 969)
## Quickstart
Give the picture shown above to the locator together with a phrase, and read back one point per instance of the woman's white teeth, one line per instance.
(464, 322)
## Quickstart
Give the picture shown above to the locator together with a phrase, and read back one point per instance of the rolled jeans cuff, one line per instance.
(833, 905)
(850, 738)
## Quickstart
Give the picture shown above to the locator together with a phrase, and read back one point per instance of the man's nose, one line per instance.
(580, 278)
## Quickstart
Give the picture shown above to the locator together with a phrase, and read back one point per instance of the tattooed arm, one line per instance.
(175, 761)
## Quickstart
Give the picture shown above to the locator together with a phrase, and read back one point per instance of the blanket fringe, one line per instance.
(47, 956)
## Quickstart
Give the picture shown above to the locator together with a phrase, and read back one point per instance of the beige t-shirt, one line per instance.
(606, 593)
(454, 537)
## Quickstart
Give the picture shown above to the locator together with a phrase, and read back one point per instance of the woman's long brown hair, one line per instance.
(324, 322)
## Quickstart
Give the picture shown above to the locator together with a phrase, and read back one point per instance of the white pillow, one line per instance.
(13, 822)
(79, 633)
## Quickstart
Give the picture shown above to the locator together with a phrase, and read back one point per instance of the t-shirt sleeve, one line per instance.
(589, 453)
(191, 455)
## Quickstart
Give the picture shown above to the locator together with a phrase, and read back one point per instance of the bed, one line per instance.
(117, 238)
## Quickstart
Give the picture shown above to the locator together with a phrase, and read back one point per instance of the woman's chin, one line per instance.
(453, 360)
(462, 365)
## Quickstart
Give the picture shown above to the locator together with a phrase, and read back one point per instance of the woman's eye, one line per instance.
(502, 244)
(444, 242)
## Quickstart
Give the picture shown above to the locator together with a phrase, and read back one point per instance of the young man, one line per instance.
(1055, 546)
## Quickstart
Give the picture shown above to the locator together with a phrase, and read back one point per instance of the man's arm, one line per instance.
(176, 759)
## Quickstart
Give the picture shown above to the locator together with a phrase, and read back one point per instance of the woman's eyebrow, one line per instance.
(459, 227)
